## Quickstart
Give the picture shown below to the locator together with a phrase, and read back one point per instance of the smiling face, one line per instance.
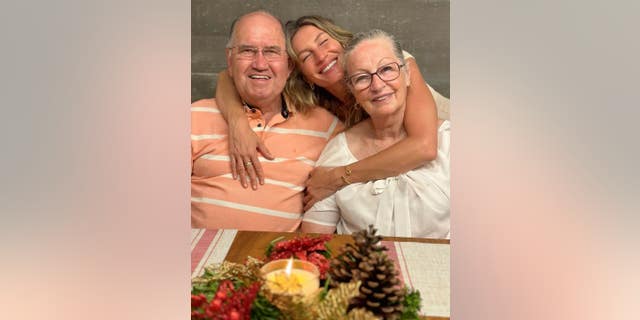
(318, 56)
(381, 98)
(257, 78)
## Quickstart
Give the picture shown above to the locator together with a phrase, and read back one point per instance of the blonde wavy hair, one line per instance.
(305, 96)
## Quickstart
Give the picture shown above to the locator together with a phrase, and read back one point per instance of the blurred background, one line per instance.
(422, 27)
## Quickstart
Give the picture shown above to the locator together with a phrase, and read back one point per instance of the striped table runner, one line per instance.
(209, 246)
(424, 267)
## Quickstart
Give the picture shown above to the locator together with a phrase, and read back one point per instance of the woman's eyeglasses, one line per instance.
(387, 72)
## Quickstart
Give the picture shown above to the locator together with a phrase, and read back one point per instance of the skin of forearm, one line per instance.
(421, 115)
(403, 156)
(229, 101)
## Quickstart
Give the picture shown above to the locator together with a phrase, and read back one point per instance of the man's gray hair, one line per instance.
(232, 32)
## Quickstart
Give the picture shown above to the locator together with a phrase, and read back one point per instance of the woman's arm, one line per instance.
(244, 144)
(420, 146)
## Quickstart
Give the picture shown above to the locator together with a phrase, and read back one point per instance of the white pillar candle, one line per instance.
(288, 276)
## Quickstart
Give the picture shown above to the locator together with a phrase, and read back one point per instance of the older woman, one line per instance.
(411, 204)
(316, 45)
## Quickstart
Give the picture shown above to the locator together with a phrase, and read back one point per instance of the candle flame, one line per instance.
(287, 271)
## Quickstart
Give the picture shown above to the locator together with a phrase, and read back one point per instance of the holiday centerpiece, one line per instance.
(298, 280)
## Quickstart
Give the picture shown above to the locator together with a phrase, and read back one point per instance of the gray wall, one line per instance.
(422, 26)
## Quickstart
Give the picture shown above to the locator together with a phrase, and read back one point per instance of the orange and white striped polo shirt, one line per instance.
(218, 201)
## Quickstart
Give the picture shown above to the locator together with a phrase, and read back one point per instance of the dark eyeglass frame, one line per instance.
(378, 73)
(254, 51)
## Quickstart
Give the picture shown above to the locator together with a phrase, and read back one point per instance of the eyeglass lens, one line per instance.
(387, 72)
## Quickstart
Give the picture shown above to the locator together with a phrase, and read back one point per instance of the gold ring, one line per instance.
(248, 163)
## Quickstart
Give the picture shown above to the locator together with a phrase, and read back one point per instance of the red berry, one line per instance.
(216, 304)
(197, 301)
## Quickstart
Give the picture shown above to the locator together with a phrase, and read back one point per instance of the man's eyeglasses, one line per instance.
(388, 72)
(250, 53)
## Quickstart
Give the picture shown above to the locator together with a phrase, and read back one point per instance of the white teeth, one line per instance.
(259, 77)
(328, 66)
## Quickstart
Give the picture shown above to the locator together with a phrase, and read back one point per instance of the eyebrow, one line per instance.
(275, 46)
(380, 64)
(314, 40)
(318, 36)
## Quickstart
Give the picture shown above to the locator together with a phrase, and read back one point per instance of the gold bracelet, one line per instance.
(345, 176)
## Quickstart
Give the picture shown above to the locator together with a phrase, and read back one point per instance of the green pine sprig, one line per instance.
(262, 309)
(272, 245)
(208, 288)
(411, 305)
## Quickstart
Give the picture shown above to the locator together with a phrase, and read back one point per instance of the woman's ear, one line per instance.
(408, 73)
(292, 64)
(311, 85)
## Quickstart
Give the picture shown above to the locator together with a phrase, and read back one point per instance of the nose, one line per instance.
(377, 83)
(259, 62)
(320, 55)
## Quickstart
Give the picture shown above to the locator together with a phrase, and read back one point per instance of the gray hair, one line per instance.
(370, 35)
(232, 32)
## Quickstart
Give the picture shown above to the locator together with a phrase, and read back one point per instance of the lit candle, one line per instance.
(288, 276)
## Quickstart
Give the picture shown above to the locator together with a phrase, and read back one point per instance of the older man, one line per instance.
(258, 64)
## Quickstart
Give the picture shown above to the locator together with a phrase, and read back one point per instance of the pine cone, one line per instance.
(366, 242)
(380, 291)
(366, 261)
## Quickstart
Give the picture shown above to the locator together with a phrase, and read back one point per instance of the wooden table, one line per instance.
(248, 243)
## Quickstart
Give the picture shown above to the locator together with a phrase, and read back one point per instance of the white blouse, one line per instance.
(412, 204)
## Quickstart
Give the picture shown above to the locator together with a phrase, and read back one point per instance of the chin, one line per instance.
(381, 111)
(262, 93)
(328, 80)
(335, 77)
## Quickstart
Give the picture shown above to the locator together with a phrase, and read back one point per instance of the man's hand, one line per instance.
(244, 146)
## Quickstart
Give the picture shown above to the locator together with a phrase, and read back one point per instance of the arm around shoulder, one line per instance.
(244, 144)
(419, 147)
(421, 115)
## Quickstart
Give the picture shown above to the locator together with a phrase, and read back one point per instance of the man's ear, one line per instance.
(227, 52)
(290, 65)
